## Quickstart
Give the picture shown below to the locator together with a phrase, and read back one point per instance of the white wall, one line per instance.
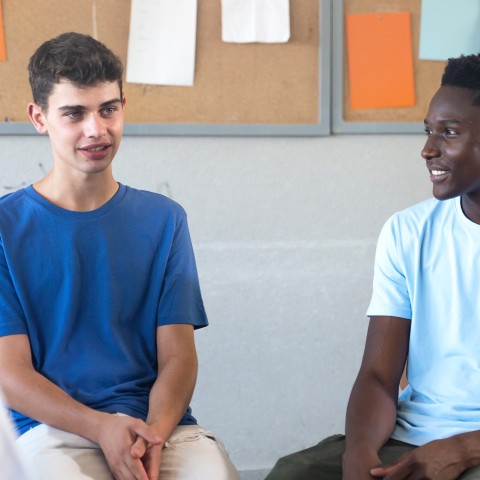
(284, 232)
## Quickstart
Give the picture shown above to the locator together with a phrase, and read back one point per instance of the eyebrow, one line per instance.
(447, 121)
(82, 107)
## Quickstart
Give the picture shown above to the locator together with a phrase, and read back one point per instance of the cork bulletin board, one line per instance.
(252, 89)
(385, 120)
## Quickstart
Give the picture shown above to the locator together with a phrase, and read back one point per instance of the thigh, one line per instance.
(57, 455)
(193, 453)
(324, 460)
(393, 450)
(470, 474)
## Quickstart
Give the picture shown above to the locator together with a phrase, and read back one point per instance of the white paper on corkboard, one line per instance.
(161, 44)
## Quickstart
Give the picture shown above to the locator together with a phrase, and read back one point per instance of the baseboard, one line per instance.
(254, 474)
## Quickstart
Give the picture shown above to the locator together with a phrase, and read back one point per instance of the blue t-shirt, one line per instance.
(90, 289)
(427, 270)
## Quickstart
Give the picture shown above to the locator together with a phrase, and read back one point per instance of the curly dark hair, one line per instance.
(74, 57)
(463, 72)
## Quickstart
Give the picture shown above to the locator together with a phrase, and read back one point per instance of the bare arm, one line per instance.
(372, 412)
(173, 389)
(177, 375)
(34, 395)
(21, 383)
(372, 408)
(444, 459)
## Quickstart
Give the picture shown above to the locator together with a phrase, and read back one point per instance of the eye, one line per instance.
(450, 132)
(427, 131)
(74, 115)
(108, 111)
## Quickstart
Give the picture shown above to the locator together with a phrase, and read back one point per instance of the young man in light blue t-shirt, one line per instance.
(99, 295)
(424, 312)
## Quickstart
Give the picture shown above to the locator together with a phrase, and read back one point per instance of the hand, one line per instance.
(440, 459)
(118, 435)
(149, 455)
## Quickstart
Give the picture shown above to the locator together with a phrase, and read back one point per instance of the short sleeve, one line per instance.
(12, 318)
(390, 295)
(181, 299)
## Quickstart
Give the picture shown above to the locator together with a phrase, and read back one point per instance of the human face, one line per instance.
(452, 149)
(84, 124)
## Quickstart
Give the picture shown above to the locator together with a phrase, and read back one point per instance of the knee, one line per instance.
(290, 468)
(320, 461)
(219, 470)
(198, 458)
(215, 463)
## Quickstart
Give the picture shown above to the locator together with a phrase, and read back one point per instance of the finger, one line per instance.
(153, 472)
(138, 448)
(137, 470)
(124, 471)
(382, 471)
(379, 472)
(394, 472)
(146, 434)
(153, 469)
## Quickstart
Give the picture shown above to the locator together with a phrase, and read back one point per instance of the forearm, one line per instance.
(32, 394)
(171, 394)
(468, 447)
(372, 408)
(371, 414)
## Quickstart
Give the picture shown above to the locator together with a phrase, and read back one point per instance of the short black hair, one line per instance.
(75, 57)
(463, 72)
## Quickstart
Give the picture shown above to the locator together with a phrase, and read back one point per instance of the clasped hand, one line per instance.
(131, 448)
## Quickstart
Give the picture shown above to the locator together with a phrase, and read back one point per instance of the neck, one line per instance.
(77, 194)
(471, 208)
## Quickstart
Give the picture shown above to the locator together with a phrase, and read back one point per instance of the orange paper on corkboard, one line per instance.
(3, 50)
(380, 60)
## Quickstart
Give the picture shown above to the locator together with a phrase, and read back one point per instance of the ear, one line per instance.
(37, 117)
(124, 100)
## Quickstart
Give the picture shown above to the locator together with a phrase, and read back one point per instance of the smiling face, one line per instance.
(452, 149)
(85, 126)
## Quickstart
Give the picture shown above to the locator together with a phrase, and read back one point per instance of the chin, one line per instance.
(444, 195)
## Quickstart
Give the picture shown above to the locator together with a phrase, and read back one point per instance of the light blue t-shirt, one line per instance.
(427, 269)
(90, 289)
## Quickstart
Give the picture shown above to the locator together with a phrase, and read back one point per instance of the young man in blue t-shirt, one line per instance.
(99, 295)
(425, 306)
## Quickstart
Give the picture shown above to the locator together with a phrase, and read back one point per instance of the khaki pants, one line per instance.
(12, 459)
(191, 453)
(324, 461)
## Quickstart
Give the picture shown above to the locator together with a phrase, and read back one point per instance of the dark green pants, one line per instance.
(324, 461)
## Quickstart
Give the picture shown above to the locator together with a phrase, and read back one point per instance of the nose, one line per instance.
(94, 126)
(430, 149)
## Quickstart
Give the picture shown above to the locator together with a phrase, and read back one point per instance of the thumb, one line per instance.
(377, 472)
(146, 434)
(138, 448)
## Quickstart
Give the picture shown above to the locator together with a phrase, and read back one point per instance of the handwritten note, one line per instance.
(161, 45)
(246, 21)
(3, 50)
(380, 60)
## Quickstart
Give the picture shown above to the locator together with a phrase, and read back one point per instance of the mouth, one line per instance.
(96, 152)
(94, 148)
(438, 173)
